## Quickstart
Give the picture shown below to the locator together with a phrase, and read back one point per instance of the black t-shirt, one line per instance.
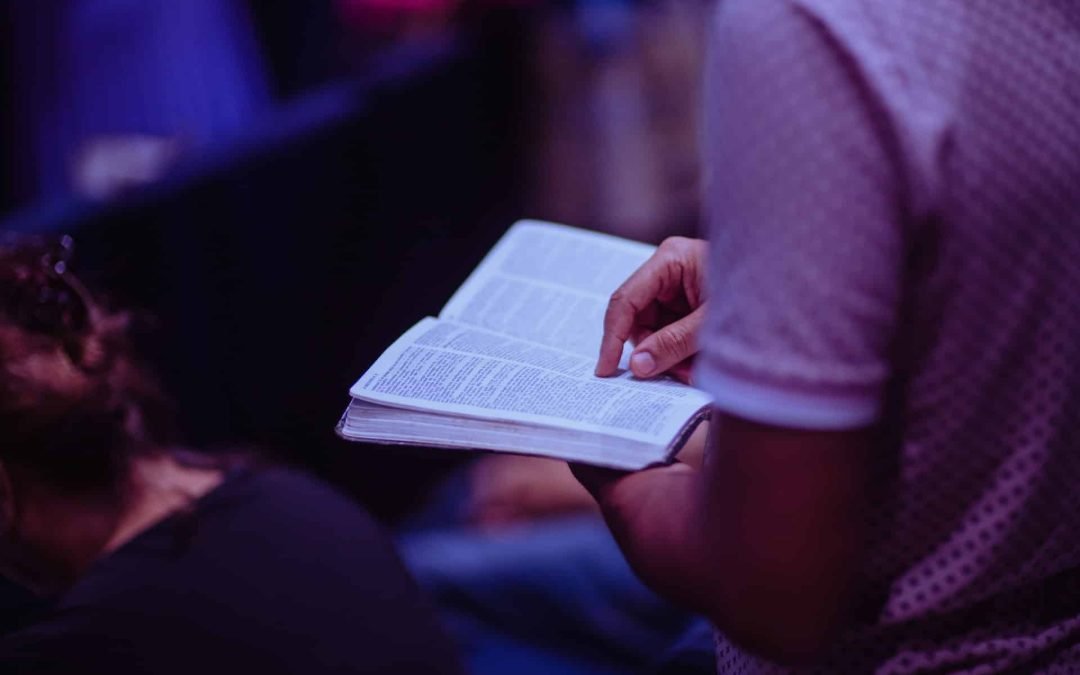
(272, 572)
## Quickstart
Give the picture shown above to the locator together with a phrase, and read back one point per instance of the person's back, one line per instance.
(926, 178)
(272, 572)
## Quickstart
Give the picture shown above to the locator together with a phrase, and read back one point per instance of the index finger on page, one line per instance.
(635, 294)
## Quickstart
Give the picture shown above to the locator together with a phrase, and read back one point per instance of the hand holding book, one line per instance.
(509, 364)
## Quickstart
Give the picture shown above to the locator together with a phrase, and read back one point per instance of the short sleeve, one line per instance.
(805, 223)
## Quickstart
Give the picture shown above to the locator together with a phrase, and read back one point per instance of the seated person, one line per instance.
(161, 560)
(889, 333)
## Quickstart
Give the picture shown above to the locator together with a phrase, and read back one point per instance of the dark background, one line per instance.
(267, 269)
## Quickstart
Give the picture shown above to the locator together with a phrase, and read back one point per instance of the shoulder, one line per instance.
(271, 525)
(773, 38)
(269, 564)
(285, 498)
(882, 37)
(265, 510)
(903, 65)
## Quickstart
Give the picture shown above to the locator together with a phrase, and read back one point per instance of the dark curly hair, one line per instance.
(76, 405)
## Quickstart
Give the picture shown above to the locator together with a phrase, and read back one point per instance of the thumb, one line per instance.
(668, 346)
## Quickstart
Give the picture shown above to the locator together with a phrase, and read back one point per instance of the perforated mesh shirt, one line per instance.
(894, 208)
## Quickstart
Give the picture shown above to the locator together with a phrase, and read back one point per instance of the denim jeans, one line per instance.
(553, 596)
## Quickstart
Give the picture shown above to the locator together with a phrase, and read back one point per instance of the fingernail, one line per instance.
(642, 363)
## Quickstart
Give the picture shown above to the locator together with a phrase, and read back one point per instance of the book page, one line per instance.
(448, 367)
(547, 283)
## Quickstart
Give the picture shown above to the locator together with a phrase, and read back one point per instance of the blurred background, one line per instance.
(282, 188)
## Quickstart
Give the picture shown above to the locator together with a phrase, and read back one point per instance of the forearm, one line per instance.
(764, 539)
(656, 517)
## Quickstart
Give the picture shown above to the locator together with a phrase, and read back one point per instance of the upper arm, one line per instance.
(806, 226)
(807, 252)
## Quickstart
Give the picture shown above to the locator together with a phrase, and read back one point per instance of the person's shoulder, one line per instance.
(267, 508)
(257, 512)
(907, 39)
(775, 15)
(780, 30)
(279, 479)
(903, 57)
(284, 488)
(852, 23)
(734, 16)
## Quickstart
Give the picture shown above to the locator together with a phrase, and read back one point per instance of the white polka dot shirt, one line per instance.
(894, 208)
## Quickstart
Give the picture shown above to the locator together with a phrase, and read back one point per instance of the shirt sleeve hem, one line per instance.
(769, 404)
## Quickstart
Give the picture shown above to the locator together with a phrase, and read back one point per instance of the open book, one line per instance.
(508, 364)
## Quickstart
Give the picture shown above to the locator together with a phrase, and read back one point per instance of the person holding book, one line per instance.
(160, 559)
(888, 328)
